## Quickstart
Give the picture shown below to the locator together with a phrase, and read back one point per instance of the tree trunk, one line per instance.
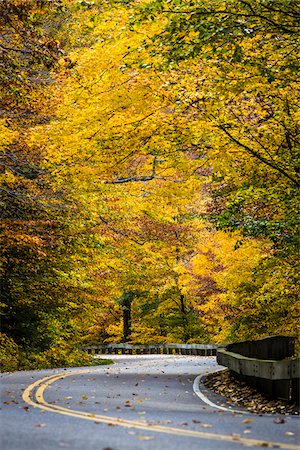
(184, 317)
(126, 319)
(126, 302)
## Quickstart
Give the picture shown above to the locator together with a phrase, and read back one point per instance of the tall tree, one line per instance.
(234, 71)
(39, 284)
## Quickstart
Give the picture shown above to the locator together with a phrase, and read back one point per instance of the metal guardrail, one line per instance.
(273, 347)
(160, 349)
(275, 378)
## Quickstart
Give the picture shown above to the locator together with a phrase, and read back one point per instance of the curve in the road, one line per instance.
(203, 397)
(34, 396)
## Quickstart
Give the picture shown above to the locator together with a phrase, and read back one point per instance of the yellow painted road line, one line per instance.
(37, 400)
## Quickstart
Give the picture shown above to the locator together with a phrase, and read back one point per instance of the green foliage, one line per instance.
(10, 354)
(190, 27)
(274, 292)
(14, 357)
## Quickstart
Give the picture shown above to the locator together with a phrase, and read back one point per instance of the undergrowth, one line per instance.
(14, 357)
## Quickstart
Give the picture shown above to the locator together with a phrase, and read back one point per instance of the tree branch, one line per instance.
(258, 156)
(231, 13)
(136, 179)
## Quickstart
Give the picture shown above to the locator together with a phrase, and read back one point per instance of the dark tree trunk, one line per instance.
(184, 317)
(126, 302)
(182, 305)
(126, 320)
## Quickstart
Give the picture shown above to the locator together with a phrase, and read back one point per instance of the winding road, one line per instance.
(142, 402)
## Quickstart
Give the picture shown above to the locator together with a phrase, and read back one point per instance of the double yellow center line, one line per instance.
(34, 396)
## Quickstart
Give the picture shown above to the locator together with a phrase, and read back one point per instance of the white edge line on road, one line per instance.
(200, 394)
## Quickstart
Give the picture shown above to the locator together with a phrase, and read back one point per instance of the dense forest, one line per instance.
(149, 174)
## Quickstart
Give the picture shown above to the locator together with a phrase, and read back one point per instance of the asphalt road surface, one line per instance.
(146, 402)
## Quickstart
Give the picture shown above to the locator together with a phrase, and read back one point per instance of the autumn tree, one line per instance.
(117, 146)
(41, 286)
(149, 171)
(234, 72)
(141, 121)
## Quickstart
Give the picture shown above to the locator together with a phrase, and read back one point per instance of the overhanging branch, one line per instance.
(136, 179)
(257, 155)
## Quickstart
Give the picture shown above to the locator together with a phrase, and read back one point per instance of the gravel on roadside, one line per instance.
(239, 394)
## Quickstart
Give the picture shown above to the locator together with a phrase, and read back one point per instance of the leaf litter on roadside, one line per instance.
(239, 394)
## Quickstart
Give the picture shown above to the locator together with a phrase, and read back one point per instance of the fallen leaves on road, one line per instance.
(159, 422)
(235, 436)
(279, 420)
(247, 421)
(202, 424)
(145, 438)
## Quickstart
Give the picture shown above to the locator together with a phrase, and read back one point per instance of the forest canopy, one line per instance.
(149, 174)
